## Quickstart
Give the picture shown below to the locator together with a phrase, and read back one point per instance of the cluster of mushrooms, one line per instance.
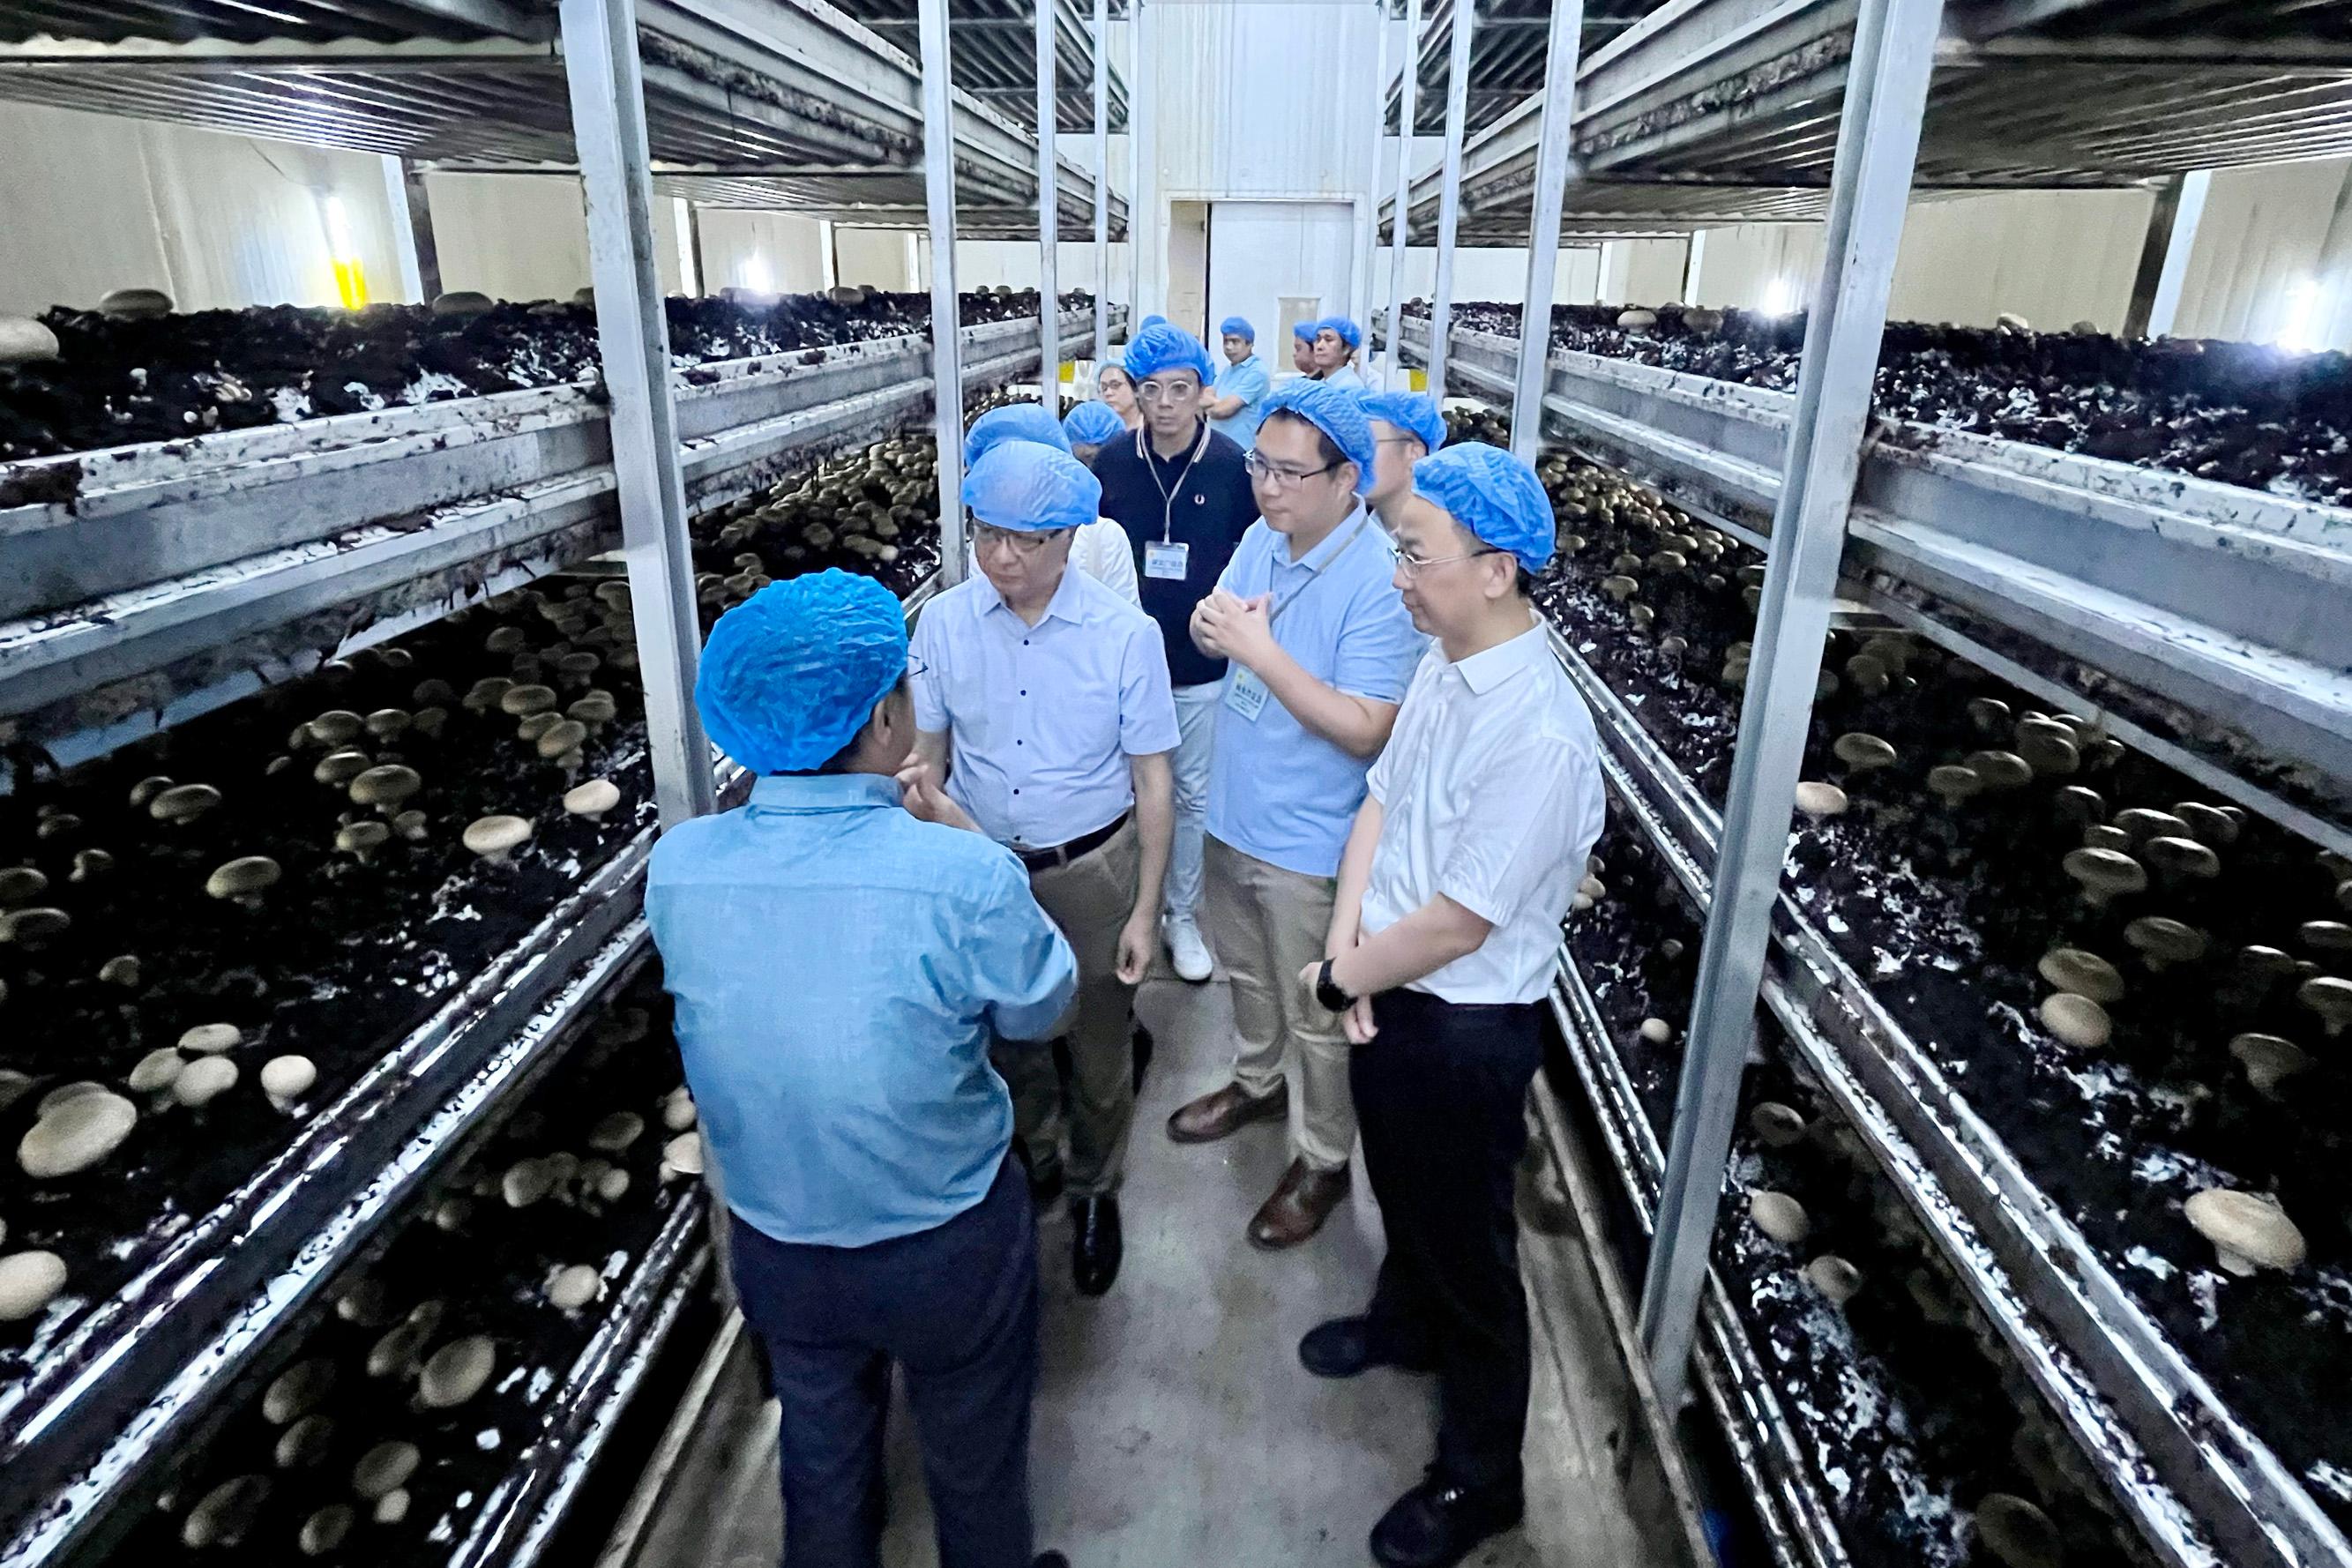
(859, 511)
(341, 1463)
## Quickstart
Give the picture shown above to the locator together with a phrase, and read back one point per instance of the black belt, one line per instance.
(1062, 854)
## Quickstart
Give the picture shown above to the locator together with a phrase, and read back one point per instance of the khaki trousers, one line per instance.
(1090, 899)
(1266, 924)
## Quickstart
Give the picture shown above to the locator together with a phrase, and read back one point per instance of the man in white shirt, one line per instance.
(1475, 831)
(1041, 697)
(1099, 548)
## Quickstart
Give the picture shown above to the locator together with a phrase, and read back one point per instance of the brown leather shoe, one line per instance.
(1226, 1111)
(1299, 1208)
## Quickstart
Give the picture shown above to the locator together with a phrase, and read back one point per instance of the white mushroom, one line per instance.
(135, 304)
(679, 1111)
(495, 837)
(2331, 998)
(456, 1372)
(1863, 752)
(573, 1288)
(203, 1080)
(393, 1507)
(617, 1132)
(243, 879)
(306, 1443)
(2077, 1020)
(76, 1135)
(29, 1281)
(24, 341)
(385, 1469)
(1816, 798)
(1778, 1216)
(1834, 1278)
(1657, 1031)
(297, 1391)
(287, 1078)
(2248, 1230)
(223, 1514)
(525, 1183)
(2161, 942)
(209, 1039)
(324, 1530)
(682, 1155)
(2105, 874)
(2020, 1534)
(182, 803)
(593, 799)
(2269, 1060)
(155, 1072)
(2083, 972)
(1776, 1125)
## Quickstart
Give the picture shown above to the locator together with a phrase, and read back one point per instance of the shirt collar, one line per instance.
(1242, 363)
(1064, 604)
(1151, 454)
(803, 793)
(1482, 672)
(1324, 553)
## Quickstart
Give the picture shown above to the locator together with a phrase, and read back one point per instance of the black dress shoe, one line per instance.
(1346, 1346)
(1437, 1524)
(1095, 1244)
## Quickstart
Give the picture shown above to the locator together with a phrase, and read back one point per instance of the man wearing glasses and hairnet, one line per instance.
(1177, 486)
(1044, 721)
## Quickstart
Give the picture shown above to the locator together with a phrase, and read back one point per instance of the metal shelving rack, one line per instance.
(2199, 622)
(238, 559)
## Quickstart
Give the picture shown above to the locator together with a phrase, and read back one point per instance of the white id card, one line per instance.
(1245, 695)
(1164, 558)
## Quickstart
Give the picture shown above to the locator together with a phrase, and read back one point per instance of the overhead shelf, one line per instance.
(993, 48)
(1742, 98)
(789, 89)
(118, 1386)
(2204, 621)
(181, 575)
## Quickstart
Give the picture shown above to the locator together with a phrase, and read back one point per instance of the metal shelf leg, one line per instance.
(947, 361)
(1102, 182)
(1449, 202)
(608, 122)
(1397, 252)
(1553, 152)
(1049, 215)
(1878, 144)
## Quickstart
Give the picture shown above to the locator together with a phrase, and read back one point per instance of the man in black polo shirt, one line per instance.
(1179, 490)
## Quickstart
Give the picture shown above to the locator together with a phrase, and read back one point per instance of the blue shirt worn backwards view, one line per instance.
(1278, 792)
(840, 969)
(1249, 381)
(1042, 719)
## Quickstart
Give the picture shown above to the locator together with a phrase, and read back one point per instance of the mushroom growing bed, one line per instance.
(1956, 841)
(117, 382)
(439, 1381)
(2240, 413)
(173, 1025)
(1911, 1417)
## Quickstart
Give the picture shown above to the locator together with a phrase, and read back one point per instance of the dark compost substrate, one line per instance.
(1945, 913)
(473, 1265)
(2240, 413)
(1907, 1413)
(118, 383)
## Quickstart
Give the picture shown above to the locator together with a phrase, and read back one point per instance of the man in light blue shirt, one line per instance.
(840, 969)
(1336, 338)
(1044, 702)
(1235, 404)
(1320, 650)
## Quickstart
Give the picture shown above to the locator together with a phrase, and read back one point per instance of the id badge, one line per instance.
(1166, 560)
(1245, 695)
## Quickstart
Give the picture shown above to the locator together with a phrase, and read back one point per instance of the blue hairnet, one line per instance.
(1153, 321)
(1492, 494)
(1015, 422)
(1338, 413)
(1415, 413)
(1161, 347)
(1236, 327)
(792, 674)
(1349, 333)
(1027, 487)
(1093, 425)
(1303, 331)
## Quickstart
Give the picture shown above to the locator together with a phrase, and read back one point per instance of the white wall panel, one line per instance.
(511, 236)
(885, 259)
(2259, 246)
(2054, 258)
(1260, 253)
(769, 252)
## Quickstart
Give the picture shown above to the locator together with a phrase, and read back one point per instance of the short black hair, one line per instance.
(839, 762)
(1325, 447)
(1525, 581)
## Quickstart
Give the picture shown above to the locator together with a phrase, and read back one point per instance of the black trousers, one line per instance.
(957, 1307)
(1441, 1097)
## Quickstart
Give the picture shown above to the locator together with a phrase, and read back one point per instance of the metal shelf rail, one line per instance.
(121, 1385)
(251, 554)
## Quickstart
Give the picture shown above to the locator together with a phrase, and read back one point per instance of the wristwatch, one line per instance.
(1327, 992)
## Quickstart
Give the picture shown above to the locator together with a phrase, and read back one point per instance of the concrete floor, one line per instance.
(1174, 1425)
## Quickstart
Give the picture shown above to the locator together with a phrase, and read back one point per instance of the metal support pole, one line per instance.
(1553, 150)
(946, 358)
(1049, 215)
(1398, 221)
(420, 229)
(2155, 247)
(2164, 309)
(1143, 205)
(1368, 215)
(1878, 144)
(608, 125)
(1102, 181)
(704, 287)
(1449, 203)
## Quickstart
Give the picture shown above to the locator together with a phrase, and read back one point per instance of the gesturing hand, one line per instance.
(920, 791)
(1230, 626)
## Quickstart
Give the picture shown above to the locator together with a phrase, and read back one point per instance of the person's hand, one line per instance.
(1137, 939)
(920, 791)
(1240, 629)
(1356, 1022)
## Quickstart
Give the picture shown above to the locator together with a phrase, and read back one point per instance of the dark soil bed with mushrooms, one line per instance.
(2224, 972)
(2240, 413)
(121, 381)
(369, 1446)
(376, 915)
(1907, 1410)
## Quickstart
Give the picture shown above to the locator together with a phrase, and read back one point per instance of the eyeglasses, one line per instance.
(1024, 545)
(1164, 391)
(1265, 473)
(1413, 566)
(1397, 441)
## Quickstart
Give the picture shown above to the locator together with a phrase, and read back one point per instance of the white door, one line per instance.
(1277, 261)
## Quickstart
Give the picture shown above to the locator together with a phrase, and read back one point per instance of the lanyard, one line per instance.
(1291, 598)
(1167, 498)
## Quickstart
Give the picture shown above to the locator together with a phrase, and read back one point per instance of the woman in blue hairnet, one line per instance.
(1473, 833)
(1235, 402)
(842, 970)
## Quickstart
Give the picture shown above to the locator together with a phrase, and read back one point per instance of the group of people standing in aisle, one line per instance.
(1293, 716)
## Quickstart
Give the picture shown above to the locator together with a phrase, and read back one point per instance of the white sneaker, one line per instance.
(1186, 951)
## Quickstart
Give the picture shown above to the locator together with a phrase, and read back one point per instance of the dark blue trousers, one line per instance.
(957, 1307)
